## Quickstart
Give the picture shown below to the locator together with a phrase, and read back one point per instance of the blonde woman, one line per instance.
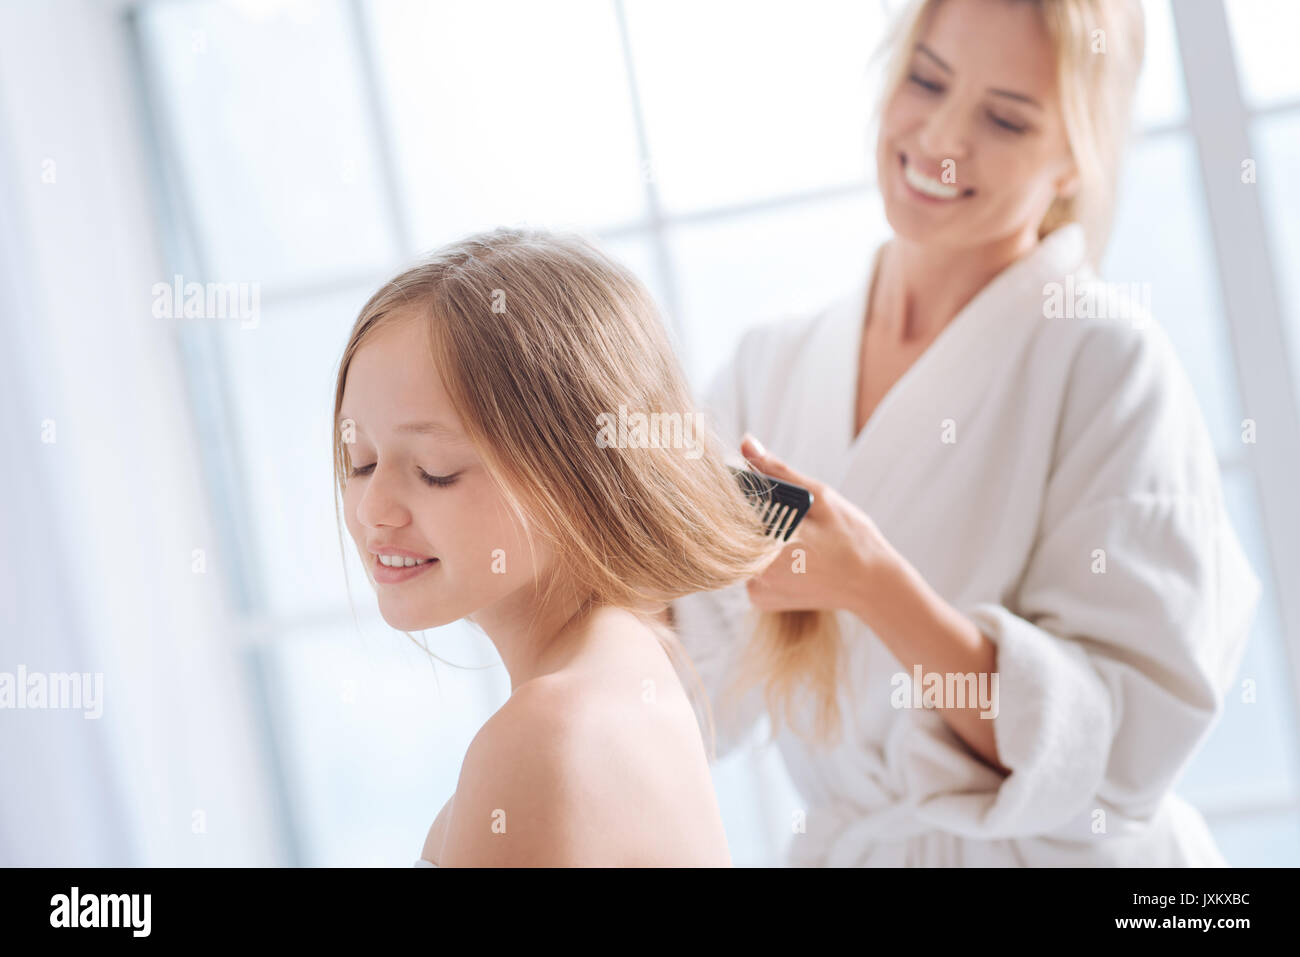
(1017, 601)
(486, 473)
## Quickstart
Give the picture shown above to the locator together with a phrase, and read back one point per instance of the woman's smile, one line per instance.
(928, 189)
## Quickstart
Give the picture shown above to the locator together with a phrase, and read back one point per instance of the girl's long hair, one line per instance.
(542, 343)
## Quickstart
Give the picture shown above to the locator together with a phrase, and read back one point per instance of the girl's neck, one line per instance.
(536, 637)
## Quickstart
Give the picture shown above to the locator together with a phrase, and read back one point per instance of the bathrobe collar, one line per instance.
(945, 380)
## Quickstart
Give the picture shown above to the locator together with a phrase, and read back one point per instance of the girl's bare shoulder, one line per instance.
(566, 757)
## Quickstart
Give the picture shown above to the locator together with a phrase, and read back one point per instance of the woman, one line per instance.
(475, 404)
(1018, 561)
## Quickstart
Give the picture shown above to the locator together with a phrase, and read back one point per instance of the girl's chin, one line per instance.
(405, 620)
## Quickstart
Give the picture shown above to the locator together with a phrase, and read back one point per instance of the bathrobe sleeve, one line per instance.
(711, 625)
(1131, 616)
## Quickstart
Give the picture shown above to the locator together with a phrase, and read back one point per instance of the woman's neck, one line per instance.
(920, 288)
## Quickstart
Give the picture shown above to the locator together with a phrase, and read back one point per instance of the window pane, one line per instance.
(1251, 754)
(276, 156)
(757, 801)
(508, 111)
(1162, 237)
(1259, 840)
(755, 99)
(1264, 35)
(637, 253)
(1161, 95)
(281, 383)
(1276, 140)
(742, 270)
(373, 732)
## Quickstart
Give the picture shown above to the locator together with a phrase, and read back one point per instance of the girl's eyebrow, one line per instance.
(424, 428)
(1009, 94)
(431, 428)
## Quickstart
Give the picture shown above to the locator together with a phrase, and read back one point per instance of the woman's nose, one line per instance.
(943, 135)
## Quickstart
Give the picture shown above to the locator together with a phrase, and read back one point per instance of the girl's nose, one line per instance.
(381, 504)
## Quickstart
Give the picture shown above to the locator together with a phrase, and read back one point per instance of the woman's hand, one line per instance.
(846, 563)
(835, 558)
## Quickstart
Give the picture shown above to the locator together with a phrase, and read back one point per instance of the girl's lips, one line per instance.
(386, 575)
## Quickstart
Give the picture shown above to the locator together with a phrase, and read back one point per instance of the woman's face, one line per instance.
(972, 145)
(419, 489)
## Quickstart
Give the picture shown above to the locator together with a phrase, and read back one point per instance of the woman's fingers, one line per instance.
(764, 461)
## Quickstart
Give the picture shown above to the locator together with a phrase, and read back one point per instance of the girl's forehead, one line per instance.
(394, 357)
(393, 379)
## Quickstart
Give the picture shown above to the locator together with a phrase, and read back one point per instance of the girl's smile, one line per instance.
(390, 566)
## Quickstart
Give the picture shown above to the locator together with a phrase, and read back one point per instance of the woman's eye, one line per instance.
(1006, 124)
(919, 81)
(362, 470)
(437, 480)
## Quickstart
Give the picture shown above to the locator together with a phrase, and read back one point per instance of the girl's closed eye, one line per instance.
(441, 481)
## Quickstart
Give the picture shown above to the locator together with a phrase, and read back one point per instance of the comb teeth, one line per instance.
(782, 505)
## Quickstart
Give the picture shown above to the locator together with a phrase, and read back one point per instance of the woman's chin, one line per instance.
(913, 224)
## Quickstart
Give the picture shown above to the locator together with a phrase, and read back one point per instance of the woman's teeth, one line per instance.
(930, 187)
(397, 561)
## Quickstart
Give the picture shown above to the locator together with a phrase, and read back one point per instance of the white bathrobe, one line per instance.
(1072, 435)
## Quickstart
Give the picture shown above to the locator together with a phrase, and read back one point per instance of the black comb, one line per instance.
(782, 504)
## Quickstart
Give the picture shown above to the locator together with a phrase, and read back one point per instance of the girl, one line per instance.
(473, 455)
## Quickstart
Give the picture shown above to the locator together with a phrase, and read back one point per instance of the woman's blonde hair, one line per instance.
(1099, 45)
(536, 335)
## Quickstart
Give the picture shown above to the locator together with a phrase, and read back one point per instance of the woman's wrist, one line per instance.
(877, 573)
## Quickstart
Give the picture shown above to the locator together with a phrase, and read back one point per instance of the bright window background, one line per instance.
(313, 147)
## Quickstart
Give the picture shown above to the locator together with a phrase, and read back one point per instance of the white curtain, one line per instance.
(100, 525)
